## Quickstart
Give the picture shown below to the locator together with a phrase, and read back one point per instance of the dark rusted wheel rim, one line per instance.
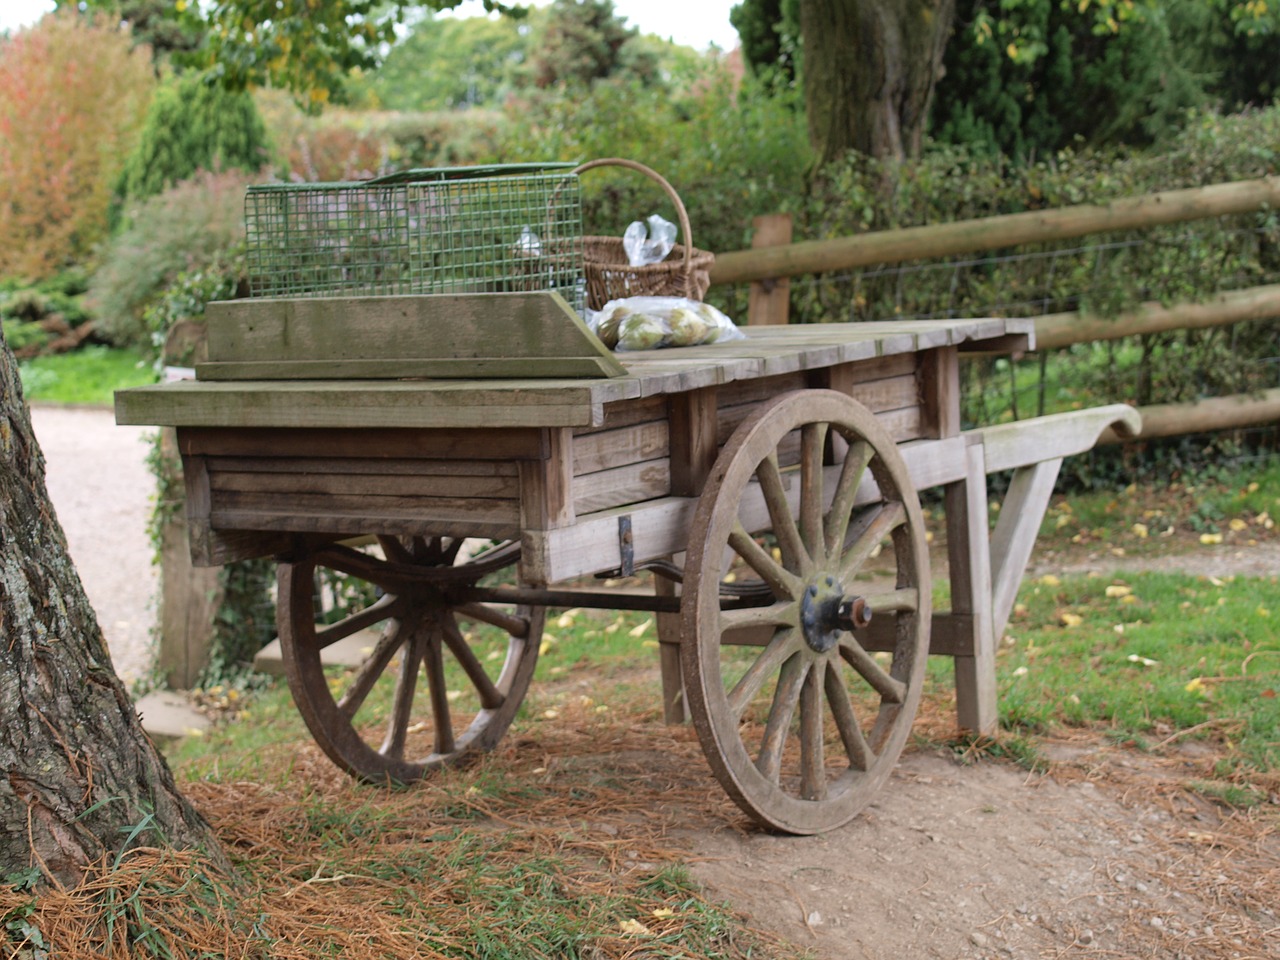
(800, 722)
(437, 681)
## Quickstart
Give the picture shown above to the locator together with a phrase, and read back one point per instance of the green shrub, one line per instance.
(189, 228)
(193, 124)
(23, 336)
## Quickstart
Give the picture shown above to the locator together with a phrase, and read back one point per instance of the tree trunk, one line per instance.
(79, 780)
(869, 71)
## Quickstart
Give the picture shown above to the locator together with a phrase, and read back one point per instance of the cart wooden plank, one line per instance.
(473, 403)
(447, 335)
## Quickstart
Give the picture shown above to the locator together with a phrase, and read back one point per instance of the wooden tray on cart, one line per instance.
(760, 480)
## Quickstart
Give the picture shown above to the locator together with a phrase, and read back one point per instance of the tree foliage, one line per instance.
(306, 46)
(192, 125)
(581, 41)
(447, 63)
(75, 93)
(1037, 75)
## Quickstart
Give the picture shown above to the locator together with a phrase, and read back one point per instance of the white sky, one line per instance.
(695, 23)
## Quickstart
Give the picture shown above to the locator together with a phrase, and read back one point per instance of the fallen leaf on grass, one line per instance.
(1237, 524)
(1049, 580)
(1072, 619)
(1118, 590)
(634, 927)
(1210, 538)
(1140, 530)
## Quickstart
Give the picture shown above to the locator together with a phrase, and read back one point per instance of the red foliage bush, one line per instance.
(75, 93)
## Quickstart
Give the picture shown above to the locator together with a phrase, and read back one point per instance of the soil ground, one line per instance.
(1108, 855)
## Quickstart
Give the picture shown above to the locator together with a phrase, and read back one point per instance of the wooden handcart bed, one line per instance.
(769, 484)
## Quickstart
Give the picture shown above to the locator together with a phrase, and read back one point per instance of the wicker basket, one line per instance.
(686, 272)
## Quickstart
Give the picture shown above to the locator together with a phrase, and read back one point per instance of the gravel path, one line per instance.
(101, 491)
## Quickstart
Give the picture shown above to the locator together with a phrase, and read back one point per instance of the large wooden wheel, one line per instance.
(440, 680)
(800, 723)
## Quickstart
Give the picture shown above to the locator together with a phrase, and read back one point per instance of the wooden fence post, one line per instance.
(770, 298)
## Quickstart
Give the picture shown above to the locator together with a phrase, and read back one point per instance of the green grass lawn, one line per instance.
(85, 377)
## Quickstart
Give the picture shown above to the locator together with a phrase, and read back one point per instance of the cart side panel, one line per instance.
(248, 490)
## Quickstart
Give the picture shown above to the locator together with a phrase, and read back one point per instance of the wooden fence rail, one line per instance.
(994, 233)
(766, 264)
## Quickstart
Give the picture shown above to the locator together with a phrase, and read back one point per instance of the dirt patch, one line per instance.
(987, 861)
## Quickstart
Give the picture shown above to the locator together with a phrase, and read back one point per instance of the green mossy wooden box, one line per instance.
(449, 336)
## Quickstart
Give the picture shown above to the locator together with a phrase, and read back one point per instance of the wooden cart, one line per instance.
(770, 485)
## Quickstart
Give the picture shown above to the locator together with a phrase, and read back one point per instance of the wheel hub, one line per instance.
(826, 612)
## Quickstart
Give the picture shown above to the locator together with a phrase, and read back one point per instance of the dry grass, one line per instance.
(557, 845)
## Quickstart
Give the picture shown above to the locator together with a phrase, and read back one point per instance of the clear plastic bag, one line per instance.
(649, 323)
(644, 246)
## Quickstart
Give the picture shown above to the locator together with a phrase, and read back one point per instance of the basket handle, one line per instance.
(685, 231)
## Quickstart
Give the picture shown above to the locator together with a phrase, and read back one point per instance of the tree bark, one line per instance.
(869, 71)
(79, 780)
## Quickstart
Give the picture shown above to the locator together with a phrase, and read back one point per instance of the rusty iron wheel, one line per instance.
(421, 697)
(801, 723)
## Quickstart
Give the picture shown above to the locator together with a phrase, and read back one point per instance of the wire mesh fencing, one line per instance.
(498, 229)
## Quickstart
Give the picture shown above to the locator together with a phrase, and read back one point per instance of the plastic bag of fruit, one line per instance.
(649, 323)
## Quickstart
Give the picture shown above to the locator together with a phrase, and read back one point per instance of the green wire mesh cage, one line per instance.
(495, 229)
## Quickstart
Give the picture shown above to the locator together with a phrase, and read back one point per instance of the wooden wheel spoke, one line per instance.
(440, 713)
(889, 688)
(490, 696)
(881, 521)
(394, 550)
(898, 600)
(856, 747)
(813, 771)
(784, 583)
(813, 442)
(372, 669)
(780, 517)
(783, 708)
(851, 474)
(386, 607)
(778, 614)
(402, 701)
(514, 625)
(785, 643)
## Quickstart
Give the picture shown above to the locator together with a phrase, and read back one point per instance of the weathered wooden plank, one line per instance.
(362, 403)
(362, 465)
(939, 376)
(546, 498)
(355, 484)
(331, 522)
(470, 368)
(380, 444)
(631, 484)
(1015, 534)
(450, 327)
(693, 440)
(894, 402)
(969, 554)
(628, 412)
(1025, 442)
(615, 448)
(232, 502)
(213, 548)
(660, 527)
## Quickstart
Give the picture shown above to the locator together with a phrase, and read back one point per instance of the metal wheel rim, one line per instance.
(419, 623)
(716, 711)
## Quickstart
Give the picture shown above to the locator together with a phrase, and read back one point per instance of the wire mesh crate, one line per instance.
(495, 229)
